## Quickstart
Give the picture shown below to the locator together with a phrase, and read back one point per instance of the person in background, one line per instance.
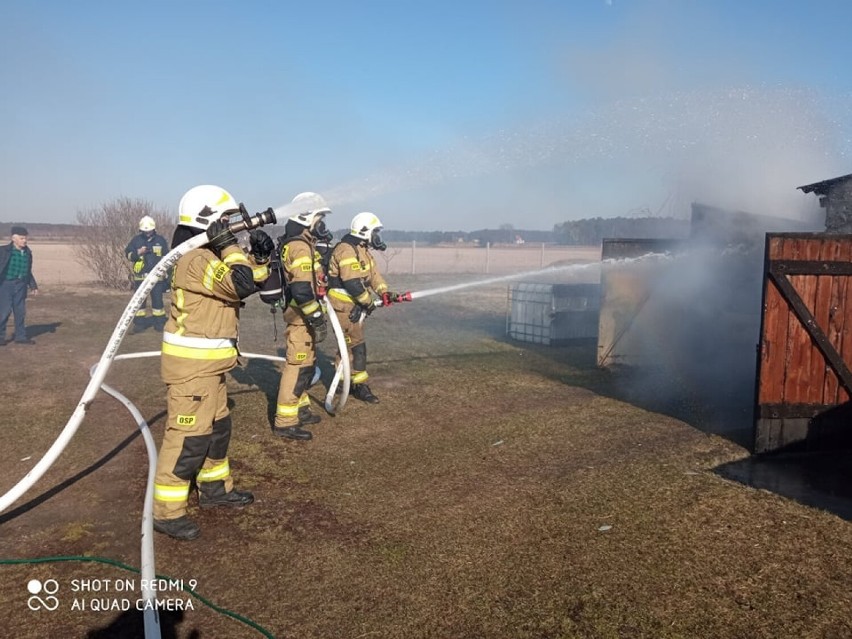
(305, 281)
(354, 284)
(199, 347)
(16, 280)
(144, 251)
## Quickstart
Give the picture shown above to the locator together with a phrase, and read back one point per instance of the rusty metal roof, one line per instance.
(821, 188)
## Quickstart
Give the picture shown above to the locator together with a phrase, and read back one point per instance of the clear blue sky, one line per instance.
(433, 114)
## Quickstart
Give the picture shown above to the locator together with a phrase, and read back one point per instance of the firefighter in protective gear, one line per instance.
(199, 347)
(144, 251)
(353, 281)
(305, 282)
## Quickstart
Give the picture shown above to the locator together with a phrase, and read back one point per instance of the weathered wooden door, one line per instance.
(805, 351)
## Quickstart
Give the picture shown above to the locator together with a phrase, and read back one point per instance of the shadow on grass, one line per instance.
(817, 478)
(34, 330)
(55, 490)
(712, 403)
(130, 625)
(264, 375)
(820, 479)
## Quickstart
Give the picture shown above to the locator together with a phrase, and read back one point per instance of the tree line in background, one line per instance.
(102, 233)
(585, 232)
(593, 231)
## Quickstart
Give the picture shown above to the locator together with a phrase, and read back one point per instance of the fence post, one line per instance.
(413, 246)
(487, 257)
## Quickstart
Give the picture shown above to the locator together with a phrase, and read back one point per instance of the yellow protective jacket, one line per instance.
(200, 336)
(303, 274)
(352, 274)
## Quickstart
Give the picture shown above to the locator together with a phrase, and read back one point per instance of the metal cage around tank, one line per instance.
(553, 314)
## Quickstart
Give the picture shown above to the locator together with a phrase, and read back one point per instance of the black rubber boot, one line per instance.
(159, 323)
(212, 495)
(362, 392)
(182, 528)
(233, 499)
(292, 432)
(140, 324)
(306, 417)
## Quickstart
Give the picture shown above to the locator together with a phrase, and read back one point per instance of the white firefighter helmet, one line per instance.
(364, 224)
(147, 223)
(203, 204)
(307, 208)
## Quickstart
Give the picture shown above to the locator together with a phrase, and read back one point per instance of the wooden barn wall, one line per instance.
(805, 352)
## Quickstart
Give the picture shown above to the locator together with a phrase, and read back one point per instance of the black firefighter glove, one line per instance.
(317, 325)
(220, 236)
(358, 311)
(261, 246)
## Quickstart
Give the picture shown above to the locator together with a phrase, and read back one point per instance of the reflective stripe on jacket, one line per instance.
(155, 248)
(353, 274)
(200, 335)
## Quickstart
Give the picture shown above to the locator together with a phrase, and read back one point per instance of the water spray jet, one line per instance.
(344, 374)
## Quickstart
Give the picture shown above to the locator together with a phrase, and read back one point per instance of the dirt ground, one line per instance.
(497, 491)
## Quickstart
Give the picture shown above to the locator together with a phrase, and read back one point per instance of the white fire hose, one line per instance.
(147, 571)
(343, 370)
(98, 374)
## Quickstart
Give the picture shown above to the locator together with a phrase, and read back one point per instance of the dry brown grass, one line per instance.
(496, 492)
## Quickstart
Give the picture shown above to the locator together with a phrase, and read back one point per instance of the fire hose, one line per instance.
(343, 371)
(98, 374)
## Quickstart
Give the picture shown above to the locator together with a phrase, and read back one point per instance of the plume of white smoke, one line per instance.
(745, 148)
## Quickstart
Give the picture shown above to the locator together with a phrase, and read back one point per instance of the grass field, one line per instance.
(497, 491)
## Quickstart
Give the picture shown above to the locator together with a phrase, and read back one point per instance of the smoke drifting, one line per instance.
(745, 148)
(691, 347)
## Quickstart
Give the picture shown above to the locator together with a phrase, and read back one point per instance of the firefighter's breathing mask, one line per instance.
(376, 240)
(319, 230)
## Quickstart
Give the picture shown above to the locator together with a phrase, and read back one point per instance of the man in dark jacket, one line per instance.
(16, 279)
(144, 251)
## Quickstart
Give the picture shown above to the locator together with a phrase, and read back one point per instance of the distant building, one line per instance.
(835, 196)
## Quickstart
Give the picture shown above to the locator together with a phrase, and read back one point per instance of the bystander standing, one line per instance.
(16, 280)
